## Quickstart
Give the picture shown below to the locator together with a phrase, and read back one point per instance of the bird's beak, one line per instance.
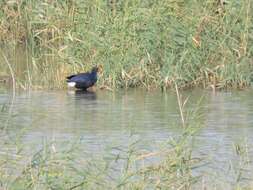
(100, 69)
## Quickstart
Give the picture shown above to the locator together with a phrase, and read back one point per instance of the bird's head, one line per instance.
(97, 69)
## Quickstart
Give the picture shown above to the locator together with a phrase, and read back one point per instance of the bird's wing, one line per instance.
(82, 77)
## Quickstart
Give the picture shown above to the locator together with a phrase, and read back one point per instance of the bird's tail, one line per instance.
(71, 84)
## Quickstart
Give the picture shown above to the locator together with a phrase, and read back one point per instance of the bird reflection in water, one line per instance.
(84, 107)
(89, 95)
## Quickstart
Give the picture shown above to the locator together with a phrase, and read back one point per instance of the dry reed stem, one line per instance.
(180, 105)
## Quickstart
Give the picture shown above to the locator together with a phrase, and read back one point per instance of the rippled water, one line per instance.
(103, 118)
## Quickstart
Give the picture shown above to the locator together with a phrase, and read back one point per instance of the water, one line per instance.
(102, 118)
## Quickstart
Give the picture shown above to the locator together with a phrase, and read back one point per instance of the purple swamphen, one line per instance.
(84, 80)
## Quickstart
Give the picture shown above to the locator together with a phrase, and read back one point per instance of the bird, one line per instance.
(84, 81)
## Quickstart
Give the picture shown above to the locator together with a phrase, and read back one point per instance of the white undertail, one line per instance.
(71, 84)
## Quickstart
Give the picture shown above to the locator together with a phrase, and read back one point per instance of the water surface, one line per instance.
(100, 119)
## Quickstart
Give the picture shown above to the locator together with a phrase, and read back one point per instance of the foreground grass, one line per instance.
(139, 43)
(55, 167)
(67, 165)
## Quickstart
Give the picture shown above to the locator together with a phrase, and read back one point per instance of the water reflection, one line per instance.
(90, 95)
(83, 94)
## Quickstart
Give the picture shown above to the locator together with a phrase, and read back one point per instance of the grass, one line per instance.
(139, 43)
(120, 167)
(66, 165)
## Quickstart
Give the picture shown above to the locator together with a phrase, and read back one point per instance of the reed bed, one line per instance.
(139, 43)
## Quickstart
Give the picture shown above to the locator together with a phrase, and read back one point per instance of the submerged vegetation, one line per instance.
(139, 43)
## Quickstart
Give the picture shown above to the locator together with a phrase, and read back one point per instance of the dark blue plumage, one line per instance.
(83, 80)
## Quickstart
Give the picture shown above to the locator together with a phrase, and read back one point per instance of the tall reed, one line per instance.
(139, 43)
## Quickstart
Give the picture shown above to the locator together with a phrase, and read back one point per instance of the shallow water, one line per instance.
(102, 118)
